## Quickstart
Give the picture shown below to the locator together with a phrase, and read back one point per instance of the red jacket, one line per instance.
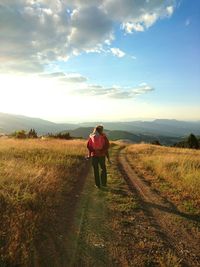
(98, 152)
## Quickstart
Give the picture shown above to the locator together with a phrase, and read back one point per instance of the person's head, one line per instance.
(99, 129)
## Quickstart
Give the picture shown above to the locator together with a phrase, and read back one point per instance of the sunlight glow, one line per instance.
(50, 99)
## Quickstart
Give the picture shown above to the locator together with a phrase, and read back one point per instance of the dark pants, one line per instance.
(100, 179)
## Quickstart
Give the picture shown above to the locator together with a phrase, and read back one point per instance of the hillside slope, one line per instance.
(157, 127)
(114, 135)
(141, 130)
(10, 123)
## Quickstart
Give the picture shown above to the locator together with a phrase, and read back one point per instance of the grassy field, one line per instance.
(175, 172)
(36, 177)
(41, 186)
(114, 229)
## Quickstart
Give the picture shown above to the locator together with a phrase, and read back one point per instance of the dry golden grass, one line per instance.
(33, 176)
(176, 171)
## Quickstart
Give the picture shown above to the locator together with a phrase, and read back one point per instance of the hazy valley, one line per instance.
(166, 131)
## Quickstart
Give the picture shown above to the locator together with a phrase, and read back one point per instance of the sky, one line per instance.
(100, 60)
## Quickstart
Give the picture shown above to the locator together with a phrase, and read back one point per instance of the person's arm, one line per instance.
(89, 146)
(108, 156)
(106, 145)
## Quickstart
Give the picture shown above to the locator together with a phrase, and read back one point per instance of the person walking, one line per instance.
(98, 145)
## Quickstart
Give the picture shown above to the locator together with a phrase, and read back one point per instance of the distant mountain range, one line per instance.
(10, 123)
(126, 136)
(162, 129)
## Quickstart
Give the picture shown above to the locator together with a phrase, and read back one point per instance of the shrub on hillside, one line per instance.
(193, 141)
(61, 135)
(21, 134)
(156, 142)
(32, 134)
(190, 142)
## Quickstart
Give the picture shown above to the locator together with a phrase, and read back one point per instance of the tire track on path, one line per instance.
(171, 225)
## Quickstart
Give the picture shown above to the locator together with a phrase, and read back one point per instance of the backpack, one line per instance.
(97, 141)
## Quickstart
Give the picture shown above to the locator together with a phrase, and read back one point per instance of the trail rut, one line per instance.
(175, 228)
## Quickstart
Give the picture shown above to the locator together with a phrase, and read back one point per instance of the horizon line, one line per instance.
(101, 121)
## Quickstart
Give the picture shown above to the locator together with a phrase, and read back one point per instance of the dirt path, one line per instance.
(125, 225)
(93, 233)
(101, 238)
(176, 229)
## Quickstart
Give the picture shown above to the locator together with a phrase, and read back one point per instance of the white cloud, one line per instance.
(66, 77)
(138, 15)
(117, 52)
(143, 84)
(149, 19)
(31, 35)
(73, 78)
(36, 33)
(133, 57)
(90, 28)
(170, 10)
(53, 75)
(142, 89)
(115, 92)
(187, 22)
(81, 86)
(129, 27)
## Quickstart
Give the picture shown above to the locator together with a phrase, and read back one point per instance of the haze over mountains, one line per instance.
(163, 127)
(10, 123)
(133, 130)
